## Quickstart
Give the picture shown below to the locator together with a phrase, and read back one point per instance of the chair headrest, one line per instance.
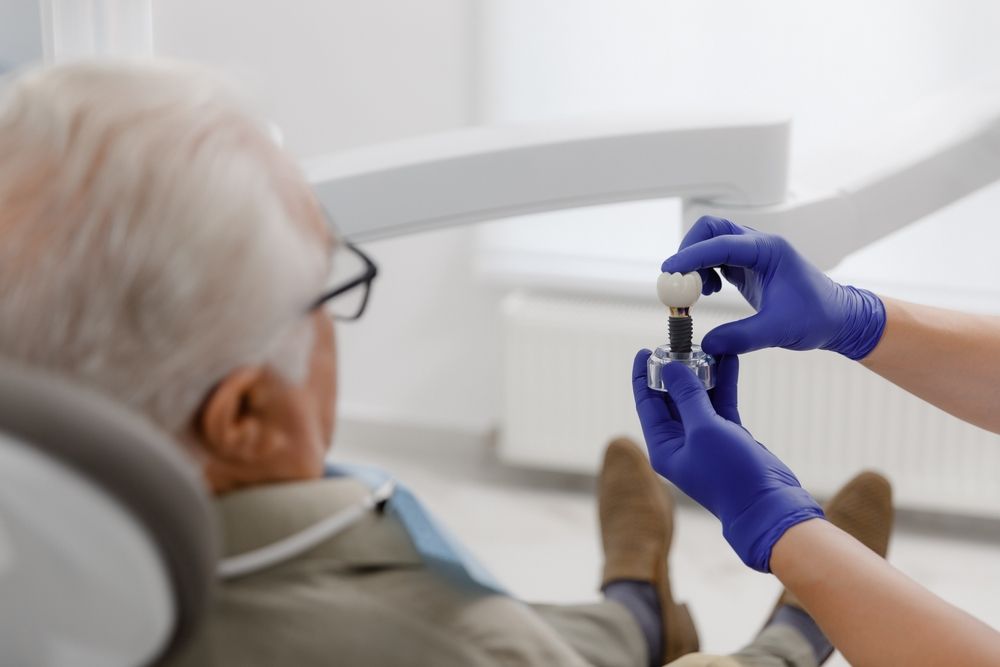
(140, 470)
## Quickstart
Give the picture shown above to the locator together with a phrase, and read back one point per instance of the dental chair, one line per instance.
(108, 545)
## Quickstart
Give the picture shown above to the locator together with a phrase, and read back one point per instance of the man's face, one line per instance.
(259, 427)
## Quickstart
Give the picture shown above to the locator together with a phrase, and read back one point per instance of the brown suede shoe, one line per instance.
(637, 525)
(863, 509)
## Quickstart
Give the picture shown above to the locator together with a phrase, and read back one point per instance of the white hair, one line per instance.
(152, 236)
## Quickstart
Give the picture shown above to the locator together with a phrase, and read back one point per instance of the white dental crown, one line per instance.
(678, 290)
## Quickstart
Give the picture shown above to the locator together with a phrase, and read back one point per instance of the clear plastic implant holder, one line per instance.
(697, 360)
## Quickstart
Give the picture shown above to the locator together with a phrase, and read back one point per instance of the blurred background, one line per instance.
(519, 333)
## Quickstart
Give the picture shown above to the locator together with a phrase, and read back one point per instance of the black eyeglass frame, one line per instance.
(366, 278)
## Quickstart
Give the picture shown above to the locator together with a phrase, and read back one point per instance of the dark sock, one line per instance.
(640, 598)
(804, 623)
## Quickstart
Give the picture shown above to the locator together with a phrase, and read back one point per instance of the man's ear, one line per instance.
(231, 422)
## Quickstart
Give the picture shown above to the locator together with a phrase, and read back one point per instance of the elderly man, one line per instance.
(157, 246)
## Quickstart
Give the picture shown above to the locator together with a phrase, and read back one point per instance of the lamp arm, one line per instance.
(490, 172)
(917, 163)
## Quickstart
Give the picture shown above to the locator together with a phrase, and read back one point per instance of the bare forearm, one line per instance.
(947, 358)
(870, 611)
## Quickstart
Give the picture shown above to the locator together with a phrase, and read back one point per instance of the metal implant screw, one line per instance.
(680, 328)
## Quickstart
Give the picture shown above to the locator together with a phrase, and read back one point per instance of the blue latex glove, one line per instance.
(695, 440)
(798, 307)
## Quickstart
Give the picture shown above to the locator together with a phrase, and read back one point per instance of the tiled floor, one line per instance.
(538, 534)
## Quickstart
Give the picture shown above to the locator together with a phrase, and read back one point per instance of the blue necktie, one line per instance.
(439, 550)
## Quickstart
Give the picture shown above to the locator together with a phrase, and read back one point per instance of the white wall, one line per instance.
(839, 69)
(342, 73)
(333, 73)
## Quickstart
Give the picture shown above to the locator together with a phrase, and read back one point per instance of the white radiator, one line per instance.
(566, 391)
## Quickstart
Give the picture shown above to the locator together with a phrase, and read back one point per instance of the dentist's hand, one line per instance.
(696, 441)
(798, 307)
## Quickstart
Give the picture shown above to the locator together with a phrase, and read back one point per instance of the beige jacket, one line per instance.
(364, 597)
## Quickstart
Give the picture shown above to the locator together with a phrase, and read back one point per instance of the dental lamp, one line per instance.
(735, 167)
(486, 173)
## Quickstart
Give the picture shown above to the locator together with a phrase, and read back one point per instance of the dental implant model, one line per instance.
(678, 293)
